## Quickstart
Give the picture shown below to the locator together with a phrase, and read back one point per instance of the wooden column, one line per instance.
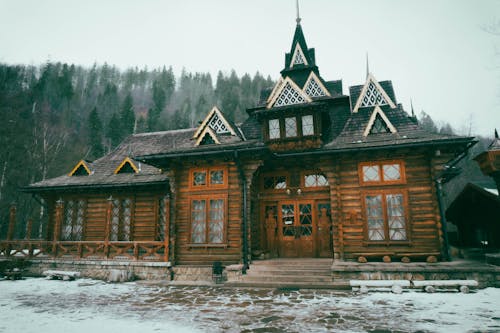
(170, 226)
(12, 221)
(29, 226)
(167, 228)
(107, 229)
(57, 225)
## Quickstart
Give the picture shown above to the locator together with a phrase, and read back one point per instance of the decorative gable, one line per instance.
(212, 126)
(81, 169)
(207, 137)
(379, 123)
(216, 121)
(314, 87)
(372, 94)
(127, 166)
(298, 57)
(286, 93)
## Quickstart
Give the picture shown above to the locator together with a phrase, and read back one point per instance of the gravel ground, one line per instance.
(39, 305)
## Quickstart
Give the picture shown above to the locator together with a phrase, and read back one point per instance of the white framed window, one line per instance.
(307, 125)
(274, 129)
(290, 127)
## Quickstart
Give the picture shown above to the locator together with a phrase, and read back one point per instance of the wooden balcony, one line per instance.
(84, 250)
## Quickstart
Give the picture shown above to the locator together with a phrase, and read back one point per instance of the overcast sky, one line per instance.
(436, 52)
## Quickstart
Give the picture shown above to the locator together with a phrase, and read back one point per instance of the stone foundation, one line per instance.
(103, 270)
(485, 275)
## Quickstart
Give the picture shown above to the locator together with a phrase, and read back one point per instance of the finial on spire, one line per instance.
(298, 14)
(412, 111)
(496, 134)
(367, 66)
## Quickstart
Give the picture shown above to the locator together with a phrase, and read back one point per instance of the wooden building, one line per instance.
(476, 214)
(312, 172)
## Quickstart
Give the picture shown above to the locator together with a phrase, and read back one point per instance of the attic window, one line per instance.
(373, 96)
(217, 124)
(127, 166)
(379, 126)
(313, 88)
(207, 140)
(298, 57)
(80, 171)
(289, 96)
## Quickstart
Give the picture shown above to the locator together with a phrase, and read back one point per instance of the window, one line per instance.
(315, 180)
(208, 220)
(121, 220)
(163, 205)
(274, 182)
(385, 215)
(307, 125)
(274, 129)
(74, 216)
(211, 177)
(290, 127)
(379, 173)
(379, 126)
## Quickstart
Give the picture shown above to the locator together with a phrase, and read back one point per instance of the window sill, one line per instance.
(388, 243)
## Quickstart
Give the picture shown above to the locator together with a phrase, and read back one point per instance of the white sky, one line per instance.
(434, 51)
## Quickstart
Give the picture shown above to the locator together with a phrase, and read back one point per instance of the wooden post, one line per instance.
(12, 221)
(57, 225)
(167, 228)
(107, 231)
(29, 225)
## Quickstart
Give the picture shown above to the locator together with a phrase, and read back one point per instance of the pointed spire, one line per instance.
(412, 111)
(298, 14)
(495, 144)
(367, 66)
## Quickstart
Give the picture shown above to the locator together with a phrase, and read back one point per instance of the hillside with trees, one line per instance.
(57, 114)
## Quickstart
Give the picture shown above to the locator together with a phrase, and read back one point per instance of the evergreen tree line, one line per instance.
(56, 114)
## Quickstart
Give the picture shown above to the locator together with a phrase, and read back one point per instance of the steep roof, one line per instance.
(408, 132)
(104, 171)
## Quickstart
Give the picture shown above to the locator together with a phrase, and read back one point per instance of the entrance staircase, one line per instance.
(303, 273)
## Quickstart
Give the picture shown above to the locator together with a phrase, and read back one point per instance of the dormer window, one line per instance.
(290, 127)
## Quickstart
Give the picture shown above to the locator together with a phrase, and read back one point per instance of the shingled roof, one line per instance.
(103, 172)
(408, 132)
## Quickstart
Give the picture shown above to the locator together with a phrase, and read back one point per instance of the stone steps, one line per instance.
(288, 273)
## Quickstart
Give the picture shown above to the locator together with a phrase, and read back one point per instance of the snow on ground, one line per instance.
(39, 305)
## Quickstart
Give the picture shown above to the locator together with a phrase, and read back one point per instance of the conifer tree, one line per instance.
(113, 130)
(95, 134)
(127, 116)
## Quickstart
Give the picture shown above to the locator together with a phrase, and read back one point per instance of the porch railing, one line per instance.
(86, 250)
(79, 250)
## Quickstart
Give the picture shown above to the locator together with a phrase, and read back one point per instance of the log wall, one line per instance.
(193, 254)
(144, 214)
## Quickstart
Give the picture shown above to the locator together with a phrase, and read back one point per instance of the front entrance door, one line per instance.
(296, 229)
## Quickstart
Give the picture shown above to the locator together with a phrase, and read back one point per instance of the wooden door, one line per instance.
(297, 226)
